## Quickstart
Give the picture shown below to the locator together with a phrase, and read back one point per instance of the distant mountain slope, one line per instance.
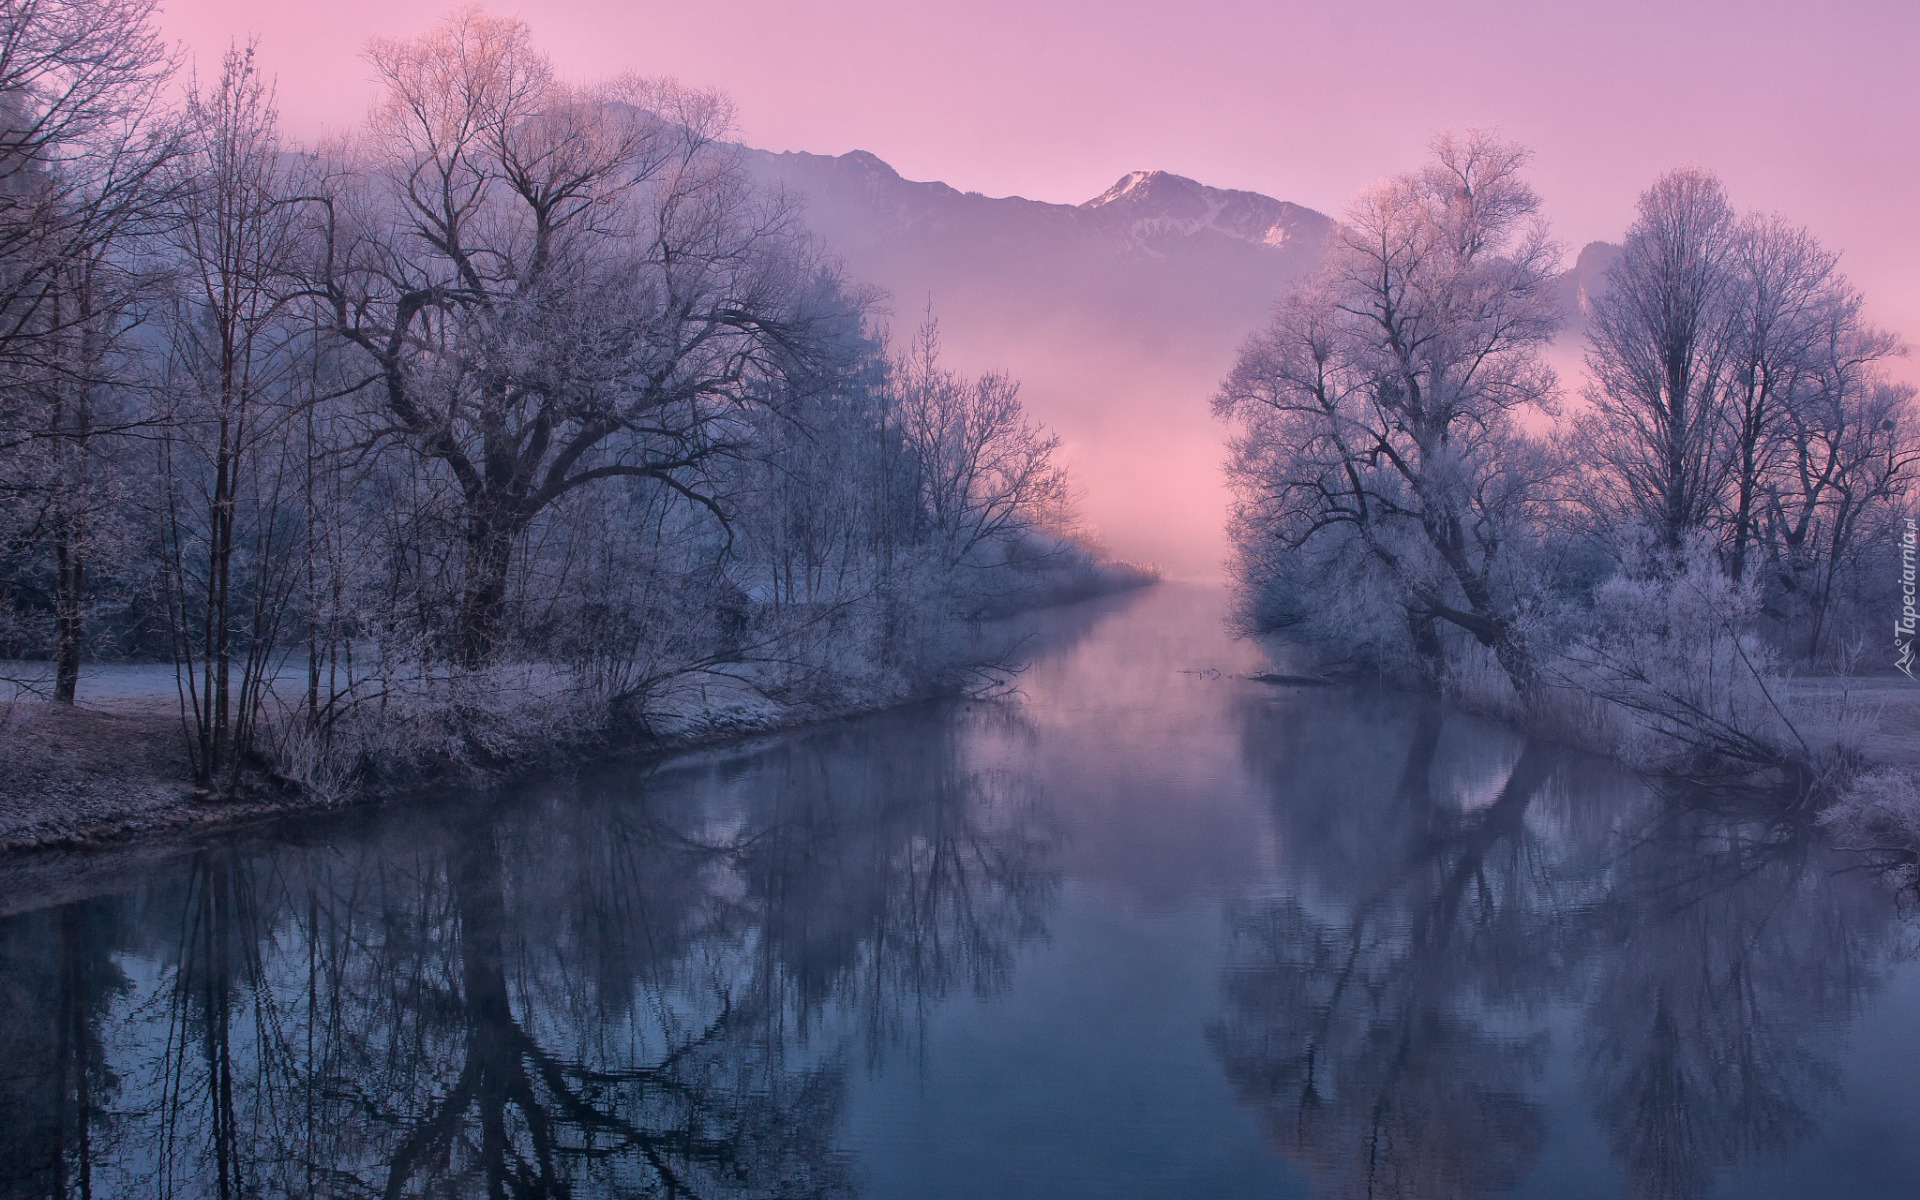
(1155, 211)
(1119, 316)
(1582, 282)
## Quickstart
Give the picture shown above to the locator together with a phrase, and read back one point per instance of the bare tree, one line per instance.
(553, 286)
(1375, 411)
(228, 450)
(1660, 351)
(1785, 289)
(1851, 457)
(82, 132)
(83, 136)
(60, 479)
(986, 472)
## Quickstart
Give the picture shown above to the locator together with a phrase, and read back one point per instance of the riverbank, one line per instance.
(79, 775)
(113, 768)
(1886, 707)
(92, 775)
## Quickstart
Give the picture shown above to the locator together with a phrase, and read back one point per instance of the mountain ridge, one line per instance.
(1147, 204)
(1119, 315)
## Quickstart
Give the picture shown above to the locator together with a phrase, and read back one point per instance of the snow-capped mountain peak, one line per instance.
(1154, 204)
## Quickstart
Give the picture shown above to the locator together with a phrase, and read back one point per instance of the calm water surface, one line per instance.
(1146, 928)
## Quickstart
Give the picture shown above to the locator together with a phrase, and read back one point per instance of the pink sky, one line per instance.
(1811, 110)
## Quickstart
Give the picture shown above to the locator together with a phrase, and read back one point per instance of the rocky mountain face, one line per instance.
(1120, 316)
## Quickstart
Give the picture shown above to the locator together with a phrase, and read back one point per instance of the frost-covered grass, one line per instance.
(115, 764)
(1669, 673)
(103, 683)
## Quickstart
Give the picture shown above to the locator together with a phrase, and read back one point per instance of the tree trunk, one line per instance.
(69, 593)
(483, 601)
(218, 733)
(72, 430)
(1514, 659)
(1424, 630)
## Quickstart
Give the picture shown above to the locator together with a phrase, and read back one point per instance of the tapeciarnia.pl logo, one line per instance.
(1903, 628)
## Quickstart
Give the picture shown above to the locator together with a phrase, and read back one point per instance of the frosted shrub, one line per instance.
(909, 635)
(1880, 814)
(413, 721)
(12, 720)
(1036, 570)
(1331, 592)
(1692, 687)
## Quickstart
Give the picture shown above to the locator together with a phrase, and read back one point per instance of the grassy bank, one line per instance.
(114, 768)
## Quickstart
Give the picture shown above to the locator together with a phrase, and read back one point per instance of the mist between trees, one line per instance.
(1638, 561)
(515, 416)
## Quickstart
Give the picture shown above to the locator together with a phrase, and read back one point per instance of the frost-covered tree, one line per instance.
(83, 132)
(986, 474)
(1375, 439)
(522, 407)
(1661, 348)
(232, 386)
(1718, 344)
(84, 135)
(553, 286)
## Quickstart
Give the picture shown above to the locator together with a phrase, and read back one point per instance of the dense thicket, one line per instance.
(1720, 505)
(496, 422)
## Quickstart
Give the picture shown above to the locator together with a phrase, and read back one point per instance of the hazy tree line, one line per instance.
(500, 415)
(1638, 559)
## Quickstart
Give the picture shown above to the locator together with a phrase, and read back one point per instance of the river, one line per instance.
(1140, 927)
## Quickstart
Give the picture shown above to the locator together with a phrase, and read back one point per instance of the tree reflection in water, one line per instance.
(1386, 1011)
(1358, 1014)
(667, 985)
(1725, 954)
(582, 994)
(58, 987)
